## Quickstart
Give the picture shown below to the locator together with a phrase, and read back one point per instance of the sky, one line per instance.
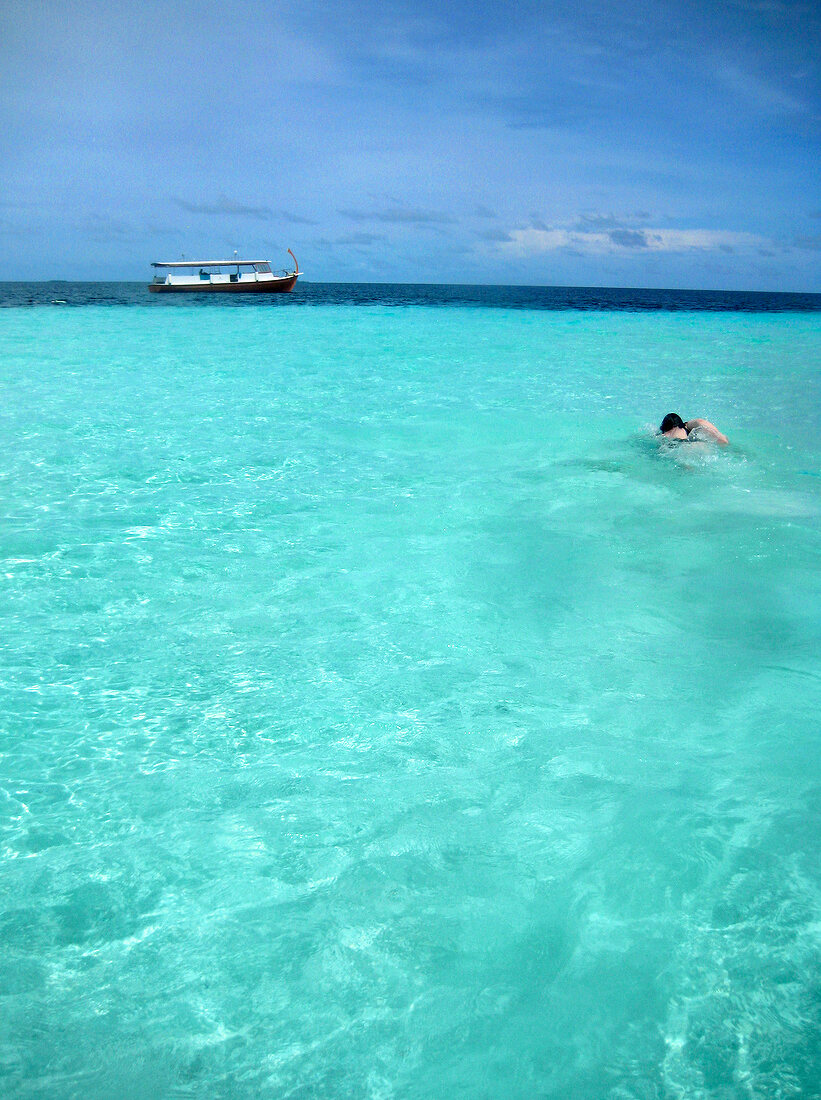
(565, 142)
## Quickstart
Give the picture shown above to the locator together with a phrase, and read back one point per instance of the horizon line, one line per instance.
(393, 282)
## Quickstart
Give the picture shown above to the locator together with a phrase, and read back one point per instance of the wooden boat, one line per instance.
(222, 277)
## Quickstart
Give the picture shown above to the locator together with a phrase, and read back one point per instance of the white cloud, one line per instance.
(531, 242)
(761, 93)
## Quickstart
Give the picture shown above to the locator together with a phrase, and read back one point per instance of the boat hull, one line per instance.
(266, 286)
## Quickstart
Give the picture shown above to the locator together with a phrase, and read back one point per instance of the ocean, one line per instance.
(385, 713)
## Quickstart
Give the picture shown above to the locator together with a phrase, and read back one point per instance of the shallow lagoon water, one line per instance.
(385, 714)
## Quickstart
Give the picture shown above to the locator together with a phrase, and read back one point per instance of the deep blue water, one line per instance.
(404, 294)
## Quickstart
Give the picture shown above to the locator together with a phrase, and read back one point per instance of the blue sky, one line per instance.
(673, 144)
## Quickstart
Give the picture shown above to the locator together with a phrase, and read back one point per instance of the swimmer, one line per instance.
(673, 427)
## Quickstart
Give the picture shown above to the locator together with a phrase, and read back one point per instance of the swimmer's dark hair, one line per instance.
(672, 420)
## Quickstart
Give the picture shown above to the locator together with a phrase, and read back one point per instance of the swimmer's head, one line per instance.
(671, 420)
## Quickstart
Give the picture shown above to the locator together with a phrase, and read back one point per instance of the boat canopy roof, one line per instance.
(209, 263)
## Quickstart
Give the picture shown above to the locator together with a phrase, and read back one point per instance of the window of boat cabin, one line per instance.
(262, 269)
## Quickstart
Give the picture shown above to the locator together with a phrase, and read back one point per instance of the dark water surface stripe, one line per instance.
(420, 294)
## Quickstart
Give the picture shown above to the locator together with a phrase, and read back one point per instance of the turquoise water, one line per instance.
(385, 715)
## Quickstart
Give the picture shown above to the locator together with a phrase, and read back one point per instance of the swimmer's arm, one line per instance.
(708, 428)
